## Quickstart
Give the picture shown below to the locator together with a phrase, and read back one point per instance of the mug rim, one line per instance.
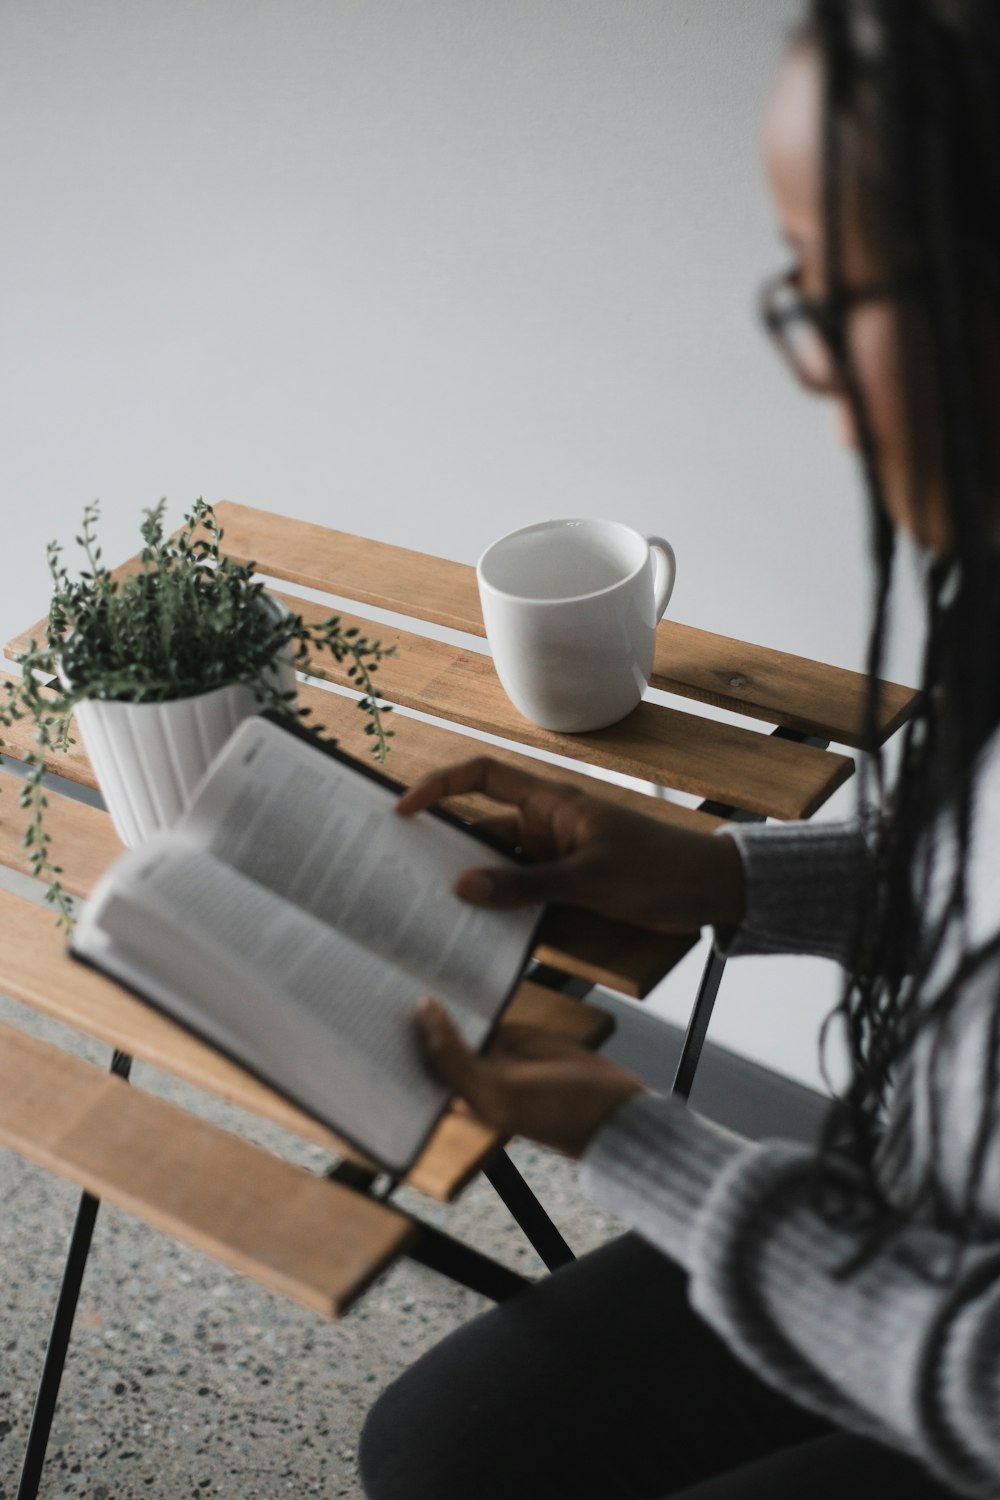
(544, 526)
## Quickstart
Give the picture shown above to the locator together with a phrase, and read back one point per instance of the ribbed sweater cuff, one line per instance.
(803, 887)
(652, 1165)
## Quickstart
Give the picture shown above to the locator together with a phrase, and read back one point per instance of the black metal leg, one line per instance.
(513, 1191)
(697, 1026)
(351, 1174)
(529, 1214)
(61, 1330)
(468, 1267)
(432, 1247)
(701, 1014)
(55, 1353)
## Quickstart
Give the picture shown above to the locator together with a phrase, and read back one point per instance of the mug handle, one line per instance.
(665, 564)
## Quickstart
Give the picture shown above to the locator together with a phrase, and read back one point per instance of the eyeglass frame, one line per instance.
(818, 311)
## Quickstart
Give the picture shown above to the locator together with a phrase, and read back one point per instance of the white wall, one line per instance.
(427, 270)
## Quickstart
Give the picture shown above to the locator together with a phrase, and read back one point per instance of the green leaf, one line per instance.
(188, 620)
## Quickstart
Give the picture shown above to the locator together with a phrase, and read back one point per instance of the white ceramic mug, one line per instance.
(571, 609)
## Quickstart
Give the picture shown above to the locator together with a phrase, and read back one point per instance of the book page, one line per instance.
(327, 838)
(311, 1012)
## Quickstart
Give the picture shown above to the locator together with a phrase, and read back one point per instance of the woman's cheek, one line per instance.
(878, 361)
(847, 427)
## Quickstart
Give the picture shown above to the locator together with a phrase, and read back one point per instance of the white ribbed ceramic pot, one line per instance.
(149, 757)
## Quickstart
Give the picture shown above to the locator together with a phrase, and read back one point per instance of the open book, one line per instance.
(292, 920)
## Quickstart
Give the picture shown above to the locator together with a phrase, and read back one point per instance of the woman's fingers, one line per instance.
(533, 826)
(593, 854)
(505, 826)
(483, 774)
(505, 886)
(484, 1081)
(449, 1056)
(516, 1039)
(529, 1083)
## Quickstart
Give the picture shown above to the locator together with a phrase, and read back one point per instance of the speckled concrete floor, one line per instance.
(185, 1379)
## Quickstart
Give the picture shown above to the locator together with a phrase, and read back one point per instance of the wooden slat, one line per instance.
(418, 750)
(410, 583)
(629, 959)
(590, 947)
(36, 970)
(317, 1242)
(774, 686)
(727, 763)
(19, 740)
(758, 681)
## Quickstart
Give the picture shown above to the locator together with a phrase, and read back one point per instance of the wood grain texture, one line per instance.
(731, 765)
(774, 686)
(761, 682)
(590, 947)
(418, 750)
(36, 970)
(629, 959)
(19, 740)
(317, 1242)
(410, 583)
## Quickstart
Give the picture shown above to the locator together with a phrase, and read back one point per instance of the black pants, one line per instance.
(601, 1383)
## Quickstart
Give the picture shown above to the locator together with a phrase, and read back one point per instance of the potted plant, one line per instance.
(157, 666)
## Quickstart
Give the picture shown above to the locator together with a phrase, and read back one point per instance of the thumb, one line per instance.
(518, 885)
(451, 1060)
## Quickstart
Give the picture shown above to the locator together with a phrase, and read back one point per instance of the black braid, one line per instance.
(912, 95)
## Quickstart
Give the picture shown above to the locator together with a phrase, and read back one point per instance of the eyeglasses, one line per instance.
(805, 329)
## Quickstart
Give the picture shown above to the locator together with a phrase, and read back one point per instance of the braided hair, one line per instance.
(912, 129)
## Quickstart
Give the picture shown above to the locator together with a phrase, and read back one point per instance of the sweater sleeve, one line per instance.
(887, 1352)
(804, 887)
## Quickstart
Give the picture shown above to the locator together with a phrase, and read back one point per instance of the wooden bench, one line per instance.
(305, 1236)
(322, 1241)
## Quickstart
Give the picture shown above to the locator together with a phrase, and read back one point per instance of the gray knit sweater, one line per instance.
(886, 1353)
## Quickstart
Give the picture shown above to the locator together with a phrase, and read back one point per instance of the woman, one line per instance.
(785, 1322)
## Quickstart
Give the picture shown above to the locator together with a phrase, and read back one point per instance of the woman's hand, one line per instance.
(590, 852)
(530, 1083)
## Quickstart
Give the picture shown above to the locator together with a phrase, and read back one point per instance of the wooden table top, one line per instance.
(731, 764)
